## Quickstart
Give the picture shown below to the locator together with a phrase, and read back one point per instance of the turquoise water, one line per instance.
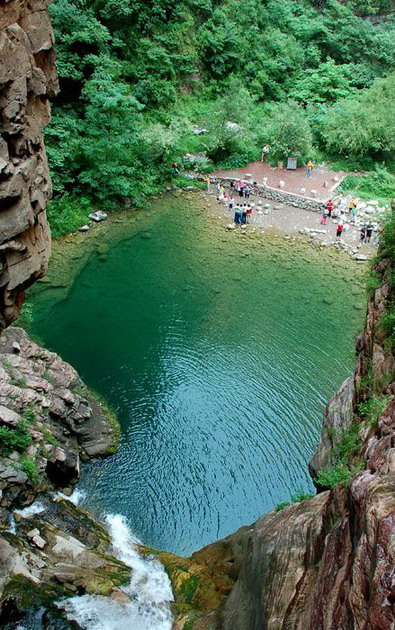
(218, 353)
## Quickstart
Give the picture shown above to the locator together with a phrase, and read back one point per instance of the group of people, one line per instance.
(329, 210)
(237, 186)
(241, 211)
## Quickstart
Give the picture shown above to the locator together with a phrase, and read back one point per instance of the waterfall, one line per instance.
(148, 594)
(76, 497)
(35, 508)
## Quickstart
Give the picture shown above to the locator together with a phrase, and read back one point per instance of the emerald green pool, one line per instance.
(218, 352)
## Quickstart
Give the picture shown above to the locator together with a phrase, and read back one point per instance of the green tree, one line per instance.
(288, 131)
(326, 84)
(365, 124)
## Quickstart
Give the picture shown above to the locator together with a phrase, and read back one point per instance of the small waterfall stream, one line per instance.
(148, 595)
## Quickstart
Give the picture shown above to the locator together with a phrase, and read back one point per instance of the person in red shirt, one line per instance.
(329, 206)
(339, 230)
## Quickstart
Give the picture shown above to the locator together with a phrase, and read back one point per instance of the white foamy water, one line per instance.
(35, 508)
(76, 497)
(149, 593)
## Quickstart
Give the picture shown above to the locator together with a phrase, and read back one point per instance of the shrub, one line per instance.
(66, 214)
(364, 125)
(29, 467)
(281, 506)
(349, 443)
(380, 183)
(288, 132)
(25, 318)
(299, 496)
(14, 439)
(29, 414)
(332, 476)
(373, 408)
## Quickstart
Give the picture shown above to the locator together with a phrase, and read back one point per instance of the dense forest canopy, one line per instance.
(144, 83)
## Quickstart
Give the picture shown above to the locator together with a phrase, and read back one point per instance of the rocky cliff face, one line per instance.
(27, 82)
(327, 563)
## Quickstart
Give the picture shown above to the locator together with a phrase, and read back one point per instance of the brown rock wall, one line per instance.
(27, 81)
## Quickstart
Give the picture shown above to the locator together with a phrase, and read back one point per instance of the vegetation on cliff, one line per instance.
(143, 84)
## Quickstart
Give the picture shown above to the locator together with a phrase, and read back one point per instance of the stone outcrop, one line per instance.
(327, 563)
(27, 81)
(55, 553)
(48, 421)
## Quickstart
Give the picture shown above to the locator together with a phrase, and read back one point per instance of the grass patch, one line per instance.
(14, 440)
(49, 437)
(188, 589)
(29, 467)
(373, 282)
(66, 214)
(372, 409)
(19, 382)
(299, 496)
(350, 165)
(190, 624)
(183, 182)
(29, 414)
(378, 184)
(347, 444)
(387, 322)
(340, 473)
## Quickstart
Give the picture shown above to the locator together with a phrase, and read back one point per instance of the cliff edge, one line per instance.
(27, 81)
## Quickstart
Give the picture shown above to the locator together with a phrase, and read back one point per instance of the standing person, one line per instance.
(207, 180)
(353, 211)
(352, 205)
(241, 188)
(339, 229)
(231, 203)
(247, 192)
(324, 216)
(329, 206)
(362, 235)
(238, 212)
(310, 166)
(265, 152)
(218, 191)
(369, 232)
(249, 211)
(244, 214)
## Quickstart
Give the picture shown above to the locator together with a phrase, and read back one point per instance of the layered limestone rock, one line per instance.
(59, 552)
(48, 420)
(27, 82)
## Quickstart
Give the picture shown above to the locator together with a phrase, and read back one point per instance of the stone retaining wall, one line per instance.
(281, 196)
